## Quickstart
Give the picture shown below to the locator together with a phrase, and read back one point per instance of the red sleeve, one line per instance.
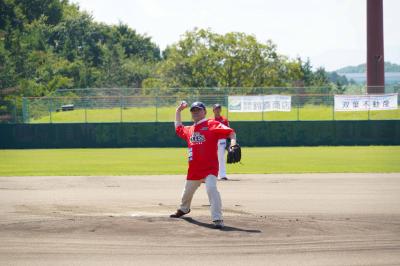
(226, 122)
(181, 132)
(220, 129)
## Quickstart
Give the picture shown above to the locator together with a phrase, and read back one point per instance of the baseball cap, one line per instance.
(217, 105)
(197, 105)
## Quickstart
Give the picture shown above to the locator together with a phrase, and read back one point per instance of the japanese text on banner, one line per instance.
(261, 103)
(345, 103)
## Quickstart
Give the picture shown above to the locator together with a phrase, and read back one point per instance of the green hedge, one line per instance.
(250, 133)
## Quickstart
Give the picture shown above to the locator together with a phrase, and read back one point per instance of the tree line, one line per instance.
(362, 68)
(47, 45)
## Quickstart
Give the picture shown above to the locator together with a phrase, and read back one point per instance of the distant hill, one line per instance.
(389, 67)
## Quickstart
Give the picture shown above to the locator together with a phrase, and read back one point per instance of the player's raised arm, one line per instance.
(178, 118)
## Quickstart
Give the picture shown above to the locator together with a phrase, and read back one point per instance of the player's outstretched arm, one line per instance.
(178, 118)
(234, 152)
(232, 136)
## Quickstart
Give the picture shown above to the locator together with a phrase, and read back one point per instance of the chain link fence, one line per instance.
(158, 105)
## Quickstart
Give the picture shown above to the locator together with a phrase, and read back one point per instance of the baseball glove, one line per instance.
(234, 154)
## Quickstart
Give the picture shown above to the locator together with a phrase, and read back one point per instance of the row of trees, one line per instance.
(47, 45)
(362, 68)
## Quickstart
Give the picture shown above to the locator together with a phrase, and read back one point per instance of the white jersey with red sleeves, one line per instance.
(202, 139)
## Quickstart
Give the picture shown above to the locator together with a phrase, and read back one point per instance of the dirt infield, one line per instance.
(299, 219)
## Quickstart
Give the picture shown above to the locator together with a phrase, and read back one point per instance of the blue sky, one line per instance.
(332, 33)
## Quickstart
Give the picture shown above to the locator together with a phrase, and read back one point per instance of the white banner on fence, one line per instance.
(344, 103)
(261, 103)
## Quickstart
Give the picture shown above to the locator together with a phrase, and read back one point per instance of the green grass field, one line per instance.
(145, 114)
(155, 161)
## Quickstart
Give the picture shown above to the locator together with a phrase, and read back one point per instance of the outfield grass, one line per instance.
(155, 161)
(145, 114)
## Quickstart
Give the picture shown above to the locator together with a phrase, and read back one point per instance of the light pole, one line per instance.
(375, 58)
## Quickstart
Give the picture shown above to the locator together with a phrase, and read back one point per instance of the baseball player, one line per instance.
(202, 138)
(221, 142)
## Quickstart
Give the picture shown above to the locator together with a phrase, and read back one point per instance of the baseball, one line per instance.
(184, 104)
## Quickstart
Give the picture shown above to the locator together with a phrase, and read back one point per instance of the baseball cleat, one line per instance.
(219, 224)
(178, 214)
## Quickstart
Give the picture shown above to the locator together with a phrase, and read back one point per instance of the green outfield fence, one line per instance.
(162, 134)
(158, 105)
